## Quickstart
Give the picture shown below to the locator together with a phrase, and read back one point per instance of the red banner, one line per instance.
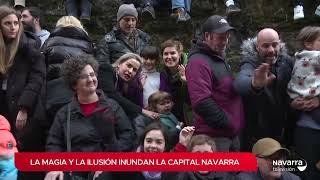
(135, 162)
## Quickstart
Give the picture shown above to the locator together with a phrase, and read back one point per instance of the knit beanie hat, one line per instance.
(126, 10)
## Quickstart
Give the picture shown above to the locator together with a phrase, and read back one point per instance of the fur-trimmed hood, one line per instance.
(249, 53)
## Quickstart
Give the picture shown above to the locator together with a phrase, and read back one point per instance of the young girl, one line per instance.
(150, 80)
(8, 146)
(305, 80)
(161, 102)
(304, 88)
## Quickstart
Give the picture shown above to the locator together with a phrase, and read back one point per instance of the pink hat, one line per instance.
(8, 145)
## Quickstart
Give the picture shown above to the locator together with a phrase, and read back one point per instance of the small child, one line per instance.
(161, 102)
(305, 80)
(150, 80)
(8, 146)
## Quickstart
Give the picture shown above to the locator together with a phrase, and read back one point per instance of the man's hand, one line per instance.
(262, 77)
(21, 120)
(298, 103)
(311, 103)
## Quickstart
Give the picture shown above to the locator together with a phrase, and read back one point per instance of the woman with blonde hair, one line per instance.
(68, 39)
(22, 75)
(115, 81)
(67, 21)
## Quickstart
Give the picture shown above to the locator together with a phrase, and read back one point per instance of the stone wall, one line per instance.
(256, 14)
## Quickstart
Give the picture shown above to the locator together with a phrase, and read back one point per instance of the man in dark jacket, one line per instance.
(32, 17)
(122, 39)
(217, 109)
(265, 71)
(268, 151)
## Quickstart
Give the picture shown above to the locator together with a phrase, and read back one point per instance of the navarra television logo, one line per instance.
(289, 165)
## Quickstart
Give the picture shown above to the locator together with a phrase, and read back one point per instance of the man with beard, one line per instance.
(265, 70)
(31, 18)
(217, 108)
(124, 38)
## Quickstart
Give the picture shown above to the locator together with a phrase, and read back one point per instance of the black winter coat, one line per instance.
(106, 129)
(114, 45)
(62, 43)
(25, 89)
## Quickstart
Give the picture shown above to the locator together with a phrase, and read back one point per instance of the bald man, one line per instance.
(265, 71)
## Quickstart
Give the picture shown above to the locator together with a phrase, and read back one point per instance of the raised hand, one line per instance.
(182, 72)
(186, 134)
(262, 76)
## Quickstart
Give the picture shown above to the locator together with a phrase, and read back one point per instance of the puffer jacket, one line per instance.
(63, 42)
(116, 131)
(113, 45)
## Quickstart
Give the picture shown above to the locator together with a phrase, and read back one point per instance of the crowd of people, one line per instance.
(61, 94)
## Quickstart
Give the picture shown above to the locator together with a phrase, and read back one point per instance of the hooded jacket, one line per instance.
(266, 109)
(217, 108)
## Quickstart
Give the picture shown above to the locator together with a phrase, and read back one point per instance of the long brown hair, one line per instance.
(6, 60)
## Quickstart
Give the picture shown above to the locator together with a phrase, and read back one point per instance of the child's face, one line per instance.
(164, 107)
(154, 141)
(314, 45)
(149, 64)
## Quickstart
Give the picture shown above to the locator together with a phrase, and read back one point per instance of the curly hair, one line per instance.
(72, 67)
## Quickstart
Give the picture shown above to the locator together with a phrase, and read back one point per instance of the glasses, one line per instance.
(86, 76)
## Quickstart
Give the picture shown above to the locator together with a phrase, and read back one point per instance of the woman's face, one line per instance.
(87, 82)
(171, 57)
(128, 69)
(10, 26)
(154, 141)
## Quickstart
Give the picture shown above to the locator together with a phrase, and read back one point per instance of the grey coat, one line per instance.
(113, 45)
